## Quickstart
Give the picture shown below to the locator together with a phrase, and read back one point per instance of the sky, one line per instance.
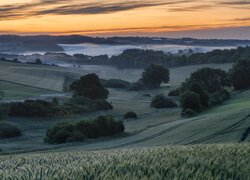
(223, 19)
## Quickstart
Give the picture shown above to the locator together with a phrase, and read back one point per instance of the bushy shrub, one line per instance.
(240, 74)
(160, 101)
(190, 100)
(175, 92)
(188, 113)
(62, 133)
(131, 115)
(31, 108)
(219, 97)
(137, 86)
(204, 96)
(40, 108)
(71, 132)
(8, 130)
(102, 104)
(116, 83)
(4, 110)
(82, 104)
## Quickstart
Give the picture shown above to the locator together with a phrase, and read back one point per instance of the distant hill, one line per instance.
(46, 43)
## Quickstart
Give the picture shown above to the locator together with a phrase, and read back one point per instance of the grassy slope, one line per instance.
(154, 127)
(222, 124)
(55, 78)
(14, 91)
(170, 162)
(45, 77)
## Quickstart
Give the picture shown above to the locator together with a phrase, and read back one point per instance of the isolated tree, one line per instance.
(240, 74)
(210, 79)
(154, 76)
(38, 61)
(89, 86)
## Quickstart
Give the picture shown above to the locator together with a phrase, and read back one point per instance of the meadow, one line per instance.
(165, 162)
(222, 124)
(13, 91)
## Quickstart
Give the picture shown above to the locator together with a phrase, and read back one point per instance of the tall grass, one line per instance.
(171, 162)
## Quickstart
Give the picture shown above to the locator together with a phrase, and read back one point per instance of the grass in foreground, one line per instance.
(171, 162)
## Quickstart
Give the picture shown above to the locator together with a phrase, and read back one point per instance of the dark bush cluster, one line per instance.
(79, 131)
(8, 130)
(188, 113)
(116, 84)
(240, 74)
(41, 108)
(219, 97)
(204, 95)
(31, 108)
(130, 115)
(175, 92)
(209, 79)
(205, 88)
(190, 100)
(4, 109)
(137, 86)
(82, 104)
(160, 101)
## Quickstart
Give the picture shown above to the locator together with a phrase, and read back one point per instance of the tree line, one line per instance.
(137, 58)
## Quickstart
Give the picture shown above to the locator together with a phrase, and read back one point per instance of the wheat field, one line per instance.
(169, 162)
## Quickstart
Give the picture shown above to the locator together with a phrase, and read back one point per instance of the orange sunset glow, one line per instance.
(120, 17)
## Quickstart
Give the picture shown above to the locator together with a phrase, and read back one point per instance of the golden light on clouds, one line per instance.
(119, 16)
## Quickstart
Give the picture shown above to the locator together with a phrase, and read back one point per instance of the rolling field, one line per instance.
(56, 78)
(222, 124)
(152, 146)
(169, 162)
(14, 91)
(44, 77)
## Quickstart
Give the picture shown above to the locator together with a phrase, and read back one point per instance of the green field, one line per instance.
(56, 78)
(159, 145)
(14, 91)
(38, 76)
(169, 162)
(222, 124)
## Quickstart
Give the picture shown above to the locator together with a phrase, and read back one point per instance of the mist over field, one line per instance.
(111, 50)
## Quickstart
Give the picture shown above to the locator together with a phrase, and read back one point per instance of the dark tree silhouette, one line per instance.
(190, 100)
(154, 76)
(210, 79)
(89, 86)
(38, 61)
(240, 74)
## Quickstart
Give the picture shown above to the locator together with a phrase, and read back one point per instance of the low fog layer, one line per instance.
(110, 50)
